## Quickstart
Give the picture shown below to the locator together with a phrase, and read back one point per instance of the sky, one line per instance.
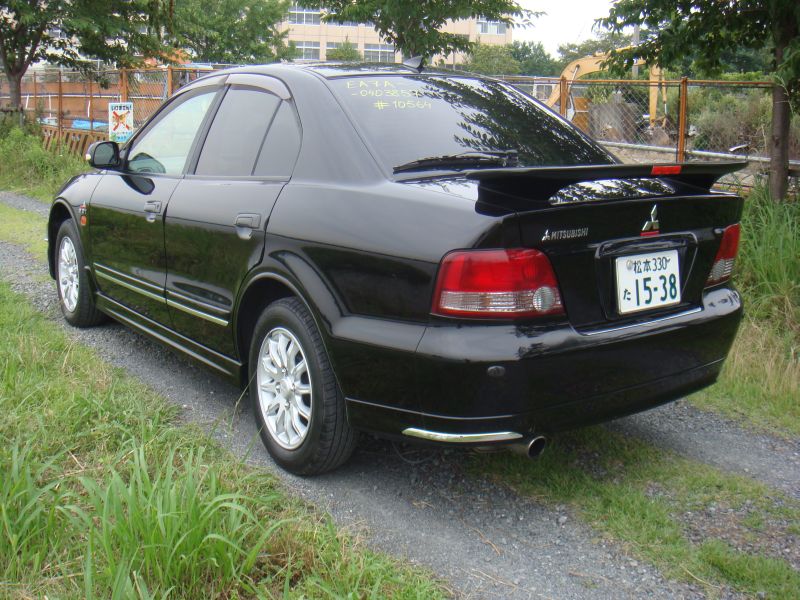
(565, 21)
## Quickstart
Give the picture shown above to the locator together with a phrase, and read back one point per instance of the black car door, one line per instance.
(216, 221)
(125, 215)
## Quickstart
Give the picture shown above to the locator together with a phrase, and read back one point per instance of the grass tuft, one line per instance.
(643, 496)
(760, 383)
(103, 496)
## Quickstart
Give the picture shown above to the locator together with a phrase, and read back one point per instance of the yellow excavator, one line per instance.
(592, 64)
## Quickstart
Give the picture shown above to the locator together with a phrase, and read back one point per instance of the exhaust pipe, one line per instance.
(531, 448)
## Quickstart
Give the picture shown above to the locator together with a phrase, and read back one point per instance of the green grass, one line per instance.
(103, 496)
(27, 168)
(760, 383)
(23, 228)
(640, 496)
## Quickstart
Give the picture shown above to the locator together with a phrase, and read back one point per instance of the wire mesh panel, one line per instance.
(147, 90)
(633, 120)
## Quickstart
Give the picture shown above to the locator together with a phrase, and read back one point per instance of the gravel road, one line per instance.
(483, 540)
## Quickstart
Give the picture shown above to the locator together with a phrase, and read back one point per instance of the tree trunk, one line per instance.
(779, 144)
(15, 87)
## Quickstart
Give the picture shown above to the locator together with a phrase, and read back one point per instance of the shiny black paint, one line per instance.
(208, 254)
(130, 241)
(362, 250)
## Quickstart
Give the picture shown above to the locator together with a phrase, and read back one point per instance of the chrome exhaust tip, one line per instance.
(531, 448)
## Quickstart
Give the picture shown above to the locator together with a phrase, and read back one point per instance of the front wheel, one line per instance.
(75, 295)
(298, 407)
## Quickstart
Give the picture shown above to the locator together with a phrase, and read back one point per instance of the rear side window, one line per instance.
(235, 137)
(406, 118)
(280, 149)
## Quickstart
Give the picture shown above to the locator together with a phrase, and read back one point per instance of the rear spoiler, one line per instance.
(546, 181)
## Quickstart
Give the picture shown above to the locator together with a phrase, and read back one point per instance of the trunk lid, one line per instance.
(586, 218)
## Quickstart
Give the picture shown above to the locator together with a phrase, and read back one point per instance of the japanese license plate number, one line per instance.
(647, 281)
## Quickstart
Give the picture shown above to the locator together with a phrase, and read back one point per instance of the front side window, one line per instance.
(406, 118)
(165, 145)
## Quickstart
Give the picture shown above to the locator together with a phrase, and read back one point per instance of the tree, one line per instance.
(347, 52)
(492, 60)
(709, 29)
(534, 59)
(233, 32)
(67, 32)
(604, 41)
(414, 26)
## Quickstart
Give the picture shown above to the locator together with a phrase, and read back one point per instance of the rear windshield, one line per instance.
(406, 118)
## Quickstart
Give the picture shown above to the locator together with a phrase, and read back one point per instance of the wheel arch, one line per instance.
(59, 212)
(261, 291)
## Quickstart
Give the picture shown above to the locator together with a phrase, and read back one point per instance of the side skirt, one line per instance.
(231, 369)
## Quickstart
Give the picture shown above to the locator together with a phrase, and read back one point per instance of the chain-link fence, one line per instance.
(79, 100)
(638, 121)
(675, 120)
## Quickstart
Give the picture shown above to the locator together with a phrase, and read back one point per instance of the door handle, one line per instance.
(152, 206)
(249, 220)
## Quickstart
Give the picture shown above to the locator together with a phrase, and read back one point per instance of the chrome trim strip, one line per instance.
(461, 438)
(124, 276)
(130, 287)
(210, 307)
(167, 336)
(197, 313)
(685, 313)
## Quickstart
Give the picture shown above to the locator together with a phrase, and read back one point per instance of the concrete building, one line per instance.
(314, 38)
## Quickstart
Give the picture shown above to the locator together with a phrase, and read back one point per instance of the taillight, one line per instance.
(496, 284)
(726, 256)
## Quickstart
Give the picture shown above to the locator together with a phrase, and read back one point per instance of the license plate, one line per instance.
(647, 281)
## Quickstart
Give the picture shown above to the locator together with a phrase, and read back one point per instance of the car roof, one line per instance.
(332, 70)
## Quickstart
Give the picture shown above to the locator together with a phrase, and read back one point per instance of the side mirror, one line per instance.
(103, 155)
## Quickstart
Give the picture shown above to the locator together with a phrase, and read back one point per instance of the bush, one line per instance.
(26, 167)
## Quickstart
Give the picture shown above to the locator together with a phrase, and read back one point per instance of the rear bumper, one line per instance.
(553, 377)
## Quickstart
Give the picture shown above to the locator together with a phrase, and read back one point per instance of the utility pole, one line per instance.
(635, 43)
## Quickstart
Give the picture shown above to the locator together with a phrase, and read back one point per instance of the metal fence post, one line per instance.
(60, 111)
(35, 97)
(123, 85)
(91, 105)
(680, 155)
(562, 102)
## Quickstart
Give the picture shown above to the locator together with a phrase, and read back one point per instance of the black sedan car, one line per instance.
(424, 255)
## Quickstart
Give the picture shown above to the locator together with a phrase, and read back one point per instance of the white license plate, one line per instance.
(647, 281)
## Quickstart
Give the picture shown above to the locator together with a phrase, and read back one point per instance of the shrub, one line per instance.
(26, 166)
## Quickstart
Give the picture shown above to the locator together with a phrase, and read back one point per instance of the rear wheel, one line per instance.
(75, 295)
(297, 404)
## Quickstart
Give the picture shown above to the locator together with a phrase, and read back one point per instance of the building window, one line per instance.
(491, 27)
(378, 53)
(333, 45)
(351, 23)
(307, 50)
(299, 15)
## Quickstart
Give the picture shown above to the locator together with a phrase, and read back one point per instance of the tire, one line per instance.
(75, 295)
(301, 416)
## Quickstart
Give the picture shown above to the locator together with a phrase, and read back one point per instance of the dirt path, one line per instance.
(419, 504)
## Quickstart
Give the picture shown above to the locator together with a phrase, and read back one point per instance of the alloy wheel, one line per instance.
(284, 388)
(68, 274)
